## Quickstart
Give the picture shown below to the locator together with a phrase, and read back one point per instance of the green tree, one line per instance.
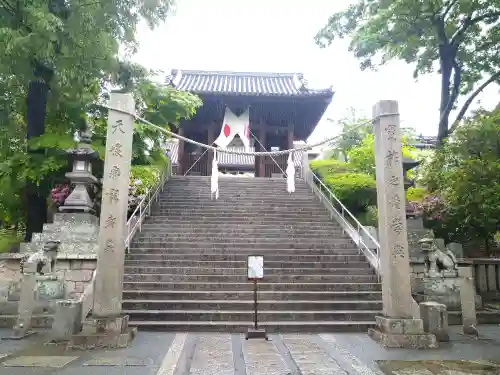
(458, 38)
(353, 129)
(465, 172)
(59, 51)
(362, 157)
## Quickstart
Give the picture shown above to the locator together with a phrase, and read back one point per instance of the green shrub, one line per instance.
(416, 194)
(329, 167)
(356, 191)
(369, 217)
(9, 238)
(143, 178)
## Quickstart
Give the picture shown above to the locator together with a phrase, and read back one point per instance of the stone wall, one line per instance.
(76, 272)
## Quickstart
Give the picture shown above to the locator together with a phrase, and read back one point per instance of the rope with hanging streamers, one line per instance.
(235, 152)
(214, 181)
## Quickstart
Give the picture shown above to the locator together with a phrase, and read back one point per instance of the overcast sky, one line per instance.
(278, 36)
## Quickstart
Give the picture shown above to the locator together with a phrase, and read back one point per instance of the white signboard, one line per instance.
(255, 267)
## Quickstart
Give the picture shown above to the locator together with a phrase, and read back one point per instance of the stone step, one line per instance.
(253, 220)
(264, 229)
(263, 315)
(226, 286)
(268, 264)
(274, 258)
(302, 278)
(242, 326)
(237, 242)
(318, 236)
(243, 202)
(264, 213)
(160, 248)
(248, 305)
(202, 295)
(210, 270)
(265, 206)
(231, 226)
(252, 181)
(236, 197)
(271, 231)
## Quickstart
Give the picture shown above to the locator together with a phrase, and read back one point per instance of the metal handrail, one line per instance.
(356, 231)
(134, 223)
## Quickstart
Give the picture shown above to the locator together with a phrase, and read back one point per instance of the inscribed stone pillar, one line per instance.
(395, 266)
(111, 256)
(397, 328)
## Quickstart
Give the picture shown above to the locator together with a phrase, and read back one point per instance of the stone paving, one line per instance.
(157, 353)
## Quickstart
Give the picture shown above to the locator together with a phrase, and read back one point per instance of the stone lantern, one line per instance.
(81, 177)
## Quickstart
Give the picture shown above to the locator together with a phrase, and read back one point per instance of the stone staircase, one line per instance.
(187, 268)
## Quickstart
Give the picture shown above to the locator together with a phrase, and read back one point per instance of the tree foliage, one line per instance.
(465, 173)
(458, 38)
(362, 157)
(352, 131)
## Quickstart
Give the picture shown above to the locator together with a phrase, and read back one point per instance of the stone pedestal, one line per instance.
(445, 290)
(416, 232)
(435, 318)
(77, 233)
(104, 333)
(67, 320)
(402, 333)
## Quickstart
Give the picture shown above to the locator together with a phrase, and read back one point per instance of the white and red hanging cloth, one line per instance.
(290, 174)
(214, 180)
(233, 125)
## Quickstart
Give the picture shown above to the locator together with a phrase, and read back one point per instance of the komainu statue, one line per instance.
(438, 263)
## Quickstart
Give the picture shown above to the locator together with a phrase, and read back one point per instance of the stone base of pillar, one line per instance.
(402, 333)
(104, 333)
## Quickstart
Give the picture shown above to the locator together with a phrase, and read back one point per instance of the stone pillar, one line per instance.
(468, 301)
(110, 327)
(180, 154)
(397, 328)
(290, 136)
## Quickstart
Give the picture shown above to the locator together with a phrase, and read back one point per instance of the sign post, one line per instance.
(255, 266)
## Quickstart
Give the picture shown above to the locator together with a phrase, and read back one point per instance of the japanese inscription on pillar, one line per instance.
(113, 220)
(394, 262)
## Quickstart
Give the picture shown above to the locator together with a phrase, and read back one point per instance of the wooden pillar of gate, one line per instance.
(262, 159)
(180, 154)
(210, 140)
(290, 145)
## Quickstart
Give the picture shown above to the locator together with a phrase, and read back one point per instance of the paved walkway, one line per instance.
(231, 354)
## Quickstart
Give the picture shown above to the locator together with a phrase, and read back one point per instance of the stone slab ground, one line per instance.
(229, 354)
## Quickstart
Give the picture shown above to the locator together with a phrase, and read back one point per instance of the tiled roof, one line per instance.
(235, 83)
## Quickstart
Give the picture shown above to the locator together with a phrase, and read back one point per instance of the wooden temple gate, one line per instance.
(281, 110)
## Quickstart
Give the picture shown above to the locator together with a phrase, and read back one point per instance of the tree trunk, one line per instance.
(446, 69)
(36, 203)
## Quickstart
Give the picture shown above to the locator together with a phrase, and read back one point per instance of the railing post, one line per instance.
(140, 217)
(150, 200)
